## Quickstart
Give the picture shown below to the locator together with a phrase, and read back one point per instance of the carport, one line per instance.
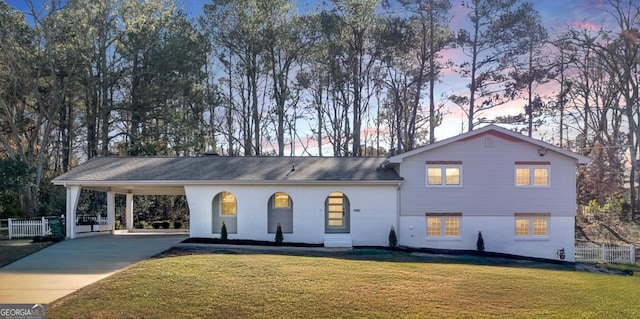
(128, 179)
(129, 190)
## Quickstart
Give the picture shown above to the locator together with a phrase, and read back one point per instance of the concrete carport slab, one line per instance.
(65, 267)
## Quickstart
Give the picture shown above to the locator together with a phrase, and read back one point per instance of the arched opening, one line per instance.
(224, 209)
(280, 211)
(336, 213)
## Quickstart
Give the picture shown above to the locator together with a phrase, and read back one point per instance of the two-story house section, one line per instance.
(518, 191)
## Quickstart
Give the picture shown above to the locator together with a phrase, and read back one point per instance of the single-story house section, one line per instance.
(518, 191)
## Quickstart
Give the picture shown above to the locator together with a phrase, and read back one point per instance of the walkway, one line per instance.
(65, 267)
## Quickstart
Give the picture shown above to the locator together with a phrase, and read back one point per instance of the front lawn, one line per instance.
(254, 285)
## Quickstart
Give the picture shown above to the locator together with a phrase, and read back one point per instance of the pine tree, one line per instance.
(480, 242)
(279, 236)
(223, 233)
(393, 240)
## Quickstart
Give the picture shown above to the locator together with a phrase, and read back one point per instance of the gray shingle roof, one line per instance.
(224, 168)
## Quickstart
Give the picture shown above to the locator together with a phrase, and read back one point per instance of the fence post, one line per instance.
(632, 254)
(10, 229)
(603, 253)
(44, 229)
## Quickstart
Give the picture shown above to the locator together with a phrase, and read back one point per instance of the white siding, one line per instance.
(373, 211)
(488, 187)
(498, 233)
(488, 198)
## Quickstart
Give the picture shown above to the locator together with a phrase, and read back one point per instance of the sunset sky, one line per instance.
(557, 16)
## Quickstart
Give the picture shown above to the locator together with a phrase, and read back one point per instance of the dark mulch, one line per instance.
(398, 254)
(245, 242)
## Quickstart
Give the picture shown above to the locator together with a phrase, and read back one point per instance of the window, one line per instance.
(534, 174)
(335, 207)
(227, 204)
(444, 173)
(281, 200)
(443, 224)
(532, 225)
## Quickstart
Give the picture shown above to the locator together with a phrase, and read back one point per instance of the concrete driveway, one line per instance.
(65, 267)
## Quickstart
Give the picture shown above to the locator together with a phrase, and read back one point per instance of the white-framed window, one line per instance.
(443, 225)
(532, 225)
(443, 173)
(532, 174)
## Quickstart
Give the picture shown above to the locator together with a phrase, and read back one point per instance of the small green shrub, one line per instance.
(156, 225)
(223, 232)
(41, 239)
(279, 236)
(166, 225)
(177, 224)
(393, 239)
(139, 224)
(117, 225)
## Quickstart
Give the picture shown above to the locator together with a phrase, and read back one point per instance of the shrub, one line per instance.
(156, 225)
(393, 239)
(40, 239)
(480, 242)
(177, 224)
(139, 224)
(166, 225)
(117, 225)
(279, 236)
(223, 232)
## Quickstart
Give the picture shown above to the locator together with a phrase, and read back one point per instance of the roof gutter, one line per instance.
(225, 182)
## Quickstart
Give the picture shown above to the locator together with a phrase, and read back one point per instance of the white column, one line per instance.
(129, 212)
(44, 226)
(73, 194)
(111, 210)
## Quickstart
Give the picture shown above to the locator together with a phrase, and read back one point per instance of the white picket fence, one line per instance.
(28, 228)
(606, 254)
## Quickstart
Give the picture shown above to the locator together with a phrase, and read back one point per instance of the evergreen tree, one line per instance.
(223, 233)
(480, 242)
(393, 239)
(279, 236)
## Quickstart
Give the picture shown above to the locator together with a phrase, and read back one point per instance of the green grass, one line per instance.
(278, 286)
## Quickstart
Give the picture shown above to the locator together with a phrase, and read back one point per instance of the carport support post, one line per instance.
(73, 194)
(129, 212)
(111, 210)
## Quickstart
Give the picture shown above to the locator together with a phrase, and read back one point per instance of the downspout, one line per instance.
(399, 207)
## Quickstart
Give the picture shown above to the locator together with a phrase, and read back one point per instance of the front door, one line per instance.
(337, 213)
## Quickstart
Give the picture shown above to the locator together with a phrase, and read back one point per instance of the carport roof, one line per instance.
(130, 173)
